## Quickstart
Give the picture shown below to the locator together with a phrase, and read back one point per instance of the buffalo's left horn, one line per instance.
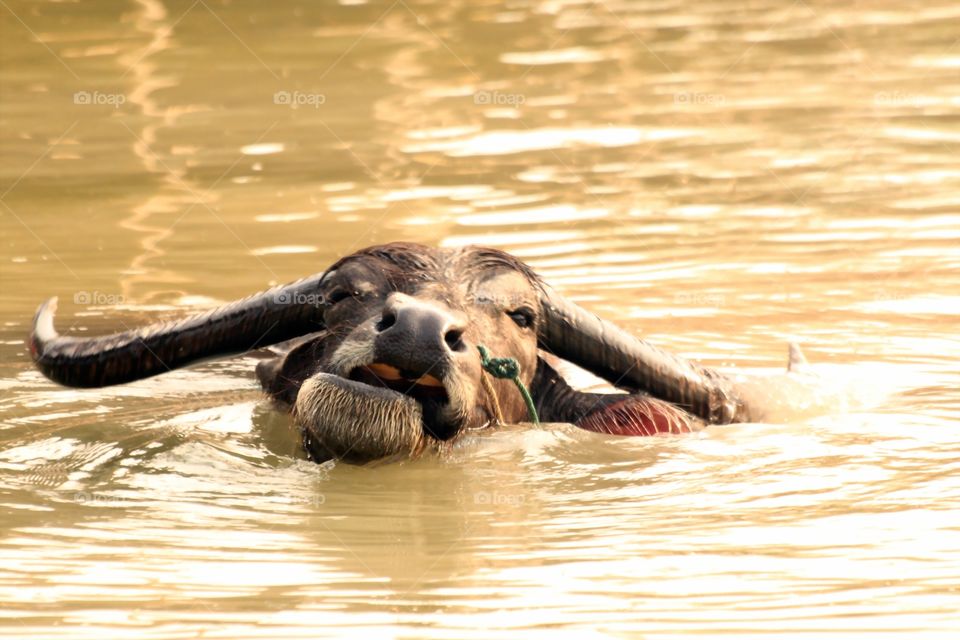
(262, 319)
(574, 334)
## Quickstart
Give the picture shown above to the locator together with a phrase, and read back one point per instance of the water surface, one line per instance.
(720, 178)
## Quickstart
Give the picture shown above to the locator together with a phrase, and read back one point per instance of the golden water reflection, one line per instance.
(721, 178)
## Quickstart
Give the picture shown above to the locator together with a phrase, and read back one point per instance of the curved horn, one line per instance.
(608, 351)
(262, 319)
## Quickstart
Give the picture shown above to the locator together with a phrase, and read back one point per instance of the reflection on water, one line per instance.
(719, 177)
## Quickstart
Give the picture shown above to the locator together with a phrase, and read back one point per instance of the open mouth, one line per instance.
(427, 390)
(376, 411)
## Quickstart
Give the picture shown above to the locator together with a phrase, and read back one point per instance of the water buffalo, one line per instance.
(380, 354)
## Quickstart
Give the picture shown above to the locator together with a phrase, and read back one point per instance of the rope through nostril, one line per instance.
(508, 369)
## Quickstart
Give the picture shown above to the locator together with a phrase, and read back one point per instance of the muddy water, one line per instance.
(719, 177)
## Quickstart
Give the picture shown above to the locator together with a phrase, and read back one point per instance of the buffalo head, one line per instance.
(398, 368)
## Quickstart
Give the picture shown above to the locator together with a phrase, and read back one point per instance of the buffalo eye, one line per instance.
(522, 317)
(338, 295)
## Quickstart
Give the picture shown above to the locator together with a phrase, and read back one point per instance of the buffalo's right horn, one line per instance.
(262, 319)
(608, 351)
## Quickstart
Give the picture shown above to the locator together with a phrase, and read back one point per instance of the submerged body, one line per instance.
(380, 354)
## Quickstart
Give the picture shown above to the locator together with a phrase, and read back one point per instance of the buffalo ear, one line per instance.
(604, 349)
(282, 375)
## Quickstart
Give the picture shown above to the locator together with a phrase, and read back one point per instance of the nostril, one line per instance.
(388, 320)
(454, 340)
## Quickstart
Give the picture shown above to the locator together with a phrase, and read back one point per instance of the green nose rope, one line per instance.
(508, 369)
